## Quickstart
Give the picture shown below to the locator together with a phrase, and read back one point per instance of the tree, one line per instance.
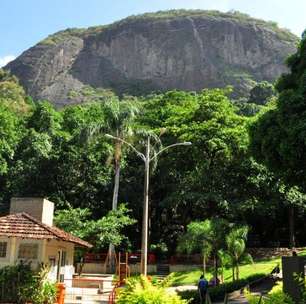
(100, 232)
(236, 245)
(120, 116)
(278, 133)
(208, 236)
(196, 239)
(51, 161)
(9, 136)
(261, 93)
(12, 93)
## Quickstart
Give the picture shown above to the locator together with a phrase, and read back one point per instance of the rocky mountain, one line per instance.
(187, 50)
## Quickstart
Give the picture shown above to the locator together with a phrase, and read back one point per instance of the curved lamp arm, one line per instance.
(141, 155)
(187, 143)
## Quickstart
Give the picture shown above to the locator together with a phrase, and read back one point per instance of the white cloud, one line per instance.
(6, 59)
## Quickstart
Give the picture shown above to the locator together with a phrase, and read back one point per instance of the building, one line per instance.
(27, 234)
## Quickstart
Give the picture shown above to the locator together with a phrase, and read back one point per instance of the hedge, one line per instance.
(218, 293)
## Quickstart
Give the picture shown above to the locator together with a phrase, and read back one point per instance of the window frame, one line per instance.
(6, 249)
(28, 244)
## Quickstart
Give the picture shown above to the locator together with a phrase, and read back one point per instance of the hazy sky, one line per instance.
(25, 22)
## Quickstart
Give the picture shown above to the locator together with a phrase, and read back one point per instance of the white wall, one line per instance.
(51, 255)
(47, 252)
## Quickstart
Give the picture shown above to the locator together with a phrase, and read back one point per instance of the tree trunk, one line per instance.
(111, 259)
(237, 272)
(233, 272)
(216, 268)
(204, 264)
(116, 185)
(291, 227)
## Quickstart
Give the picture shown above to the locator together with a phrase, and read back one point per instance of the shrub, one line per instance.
(19, 284)
(275, 296)
(141, 291)
(218, 293)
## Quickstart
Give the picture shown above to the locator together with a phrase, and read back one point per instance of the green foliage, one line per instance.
(262, 93)
(236, 246)
(12, 93)
(142, 291)
(9, 136)
(233, 15)
(207, 236)
(218, 293)
(275, 296)
(47, 153)
(22, 285)
(278, 133)
(219, 239)
(106, 230)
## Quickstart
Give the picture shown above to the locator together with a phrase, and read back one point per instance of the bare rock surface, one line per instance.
(188, 50)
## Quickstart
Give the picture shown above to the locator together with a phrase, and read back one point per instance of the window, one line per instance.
(63, 260)
(3, 248)
(28, 251)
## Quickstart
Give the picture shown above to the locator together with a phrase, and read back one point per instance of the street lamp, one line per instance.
(145, 218)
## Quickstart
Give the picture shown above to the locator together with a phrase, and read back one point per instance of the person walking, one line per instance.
(202, 288)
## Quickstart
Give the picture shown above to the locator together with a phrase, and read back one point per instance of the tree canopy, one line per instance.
(278, 133)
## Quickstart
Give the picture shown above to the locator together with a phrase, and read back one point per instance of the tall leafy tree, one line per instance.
(278, 134)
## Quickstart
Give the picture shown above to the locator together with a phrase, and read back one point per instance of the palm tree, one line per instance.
(195, 239)
(207, 236)
(236, 245)
(120, 116)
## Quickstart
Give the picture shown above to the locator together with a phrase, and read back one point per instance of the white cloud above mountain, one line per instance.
(6, 59)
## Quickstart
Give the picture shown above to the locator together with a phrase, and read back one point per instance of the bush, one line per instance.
(275, 296)
(218, 293)
(19, 284)
(141, 290)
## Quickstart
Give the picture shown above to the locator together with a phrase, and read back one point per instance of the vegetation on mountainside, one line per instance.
(61, 36)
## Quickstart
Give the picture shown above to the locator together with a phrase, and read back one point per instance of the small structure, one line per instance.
(27, 234)
(293, 268)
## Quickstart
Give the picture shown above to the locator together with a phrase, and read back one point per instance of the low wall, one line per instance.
(263, 253)
(135, 268)
(99, 268)
(178, 267)
(92, 268)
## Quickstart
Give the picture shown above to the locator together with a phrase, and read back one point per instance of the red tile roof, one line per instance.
(25, 226)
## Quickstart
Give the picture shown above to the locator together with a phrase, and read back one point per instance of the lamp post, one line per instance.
(145, 217)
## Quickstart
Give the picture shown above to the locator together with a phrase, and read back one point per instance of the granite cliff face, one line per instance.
(187, 50)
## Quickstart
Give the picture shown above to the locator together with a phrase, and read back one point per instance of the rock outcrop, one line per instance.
(188, 50)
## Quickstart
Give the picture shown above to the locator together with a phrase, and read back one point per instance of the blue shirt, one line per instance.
(203, 284)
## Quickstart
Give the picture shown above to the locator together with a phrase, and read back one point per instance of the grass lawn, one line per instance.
(192, 277)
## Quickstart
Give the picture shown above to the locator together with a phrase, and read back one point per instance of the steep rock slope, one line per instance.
(188, 50)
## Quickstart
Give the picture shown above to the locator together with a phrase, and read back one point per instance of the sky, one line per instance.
(23, 23)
